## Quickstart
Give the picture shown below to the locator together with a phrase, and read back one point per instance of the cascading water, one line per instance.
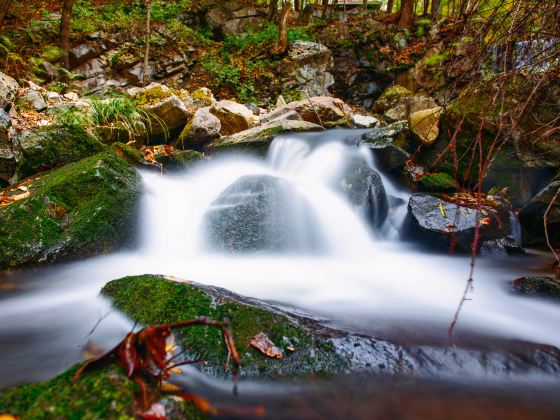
(297, 228)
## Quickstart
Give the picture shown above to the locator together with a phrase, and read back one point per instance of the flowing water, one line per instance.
(317, 253)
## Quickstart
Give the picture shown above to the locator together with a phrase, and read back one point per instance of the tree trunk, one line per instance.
(297, 5)
(145, 75)
(406, 20)
(426, 7)
(65, 32)
(390, 6)
(282, 44)
(436, 4)
(272, 9)
(4, 7)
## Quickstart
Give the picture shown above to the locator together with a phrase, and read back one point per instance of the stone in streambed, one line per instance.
(85, 208)
(542, 287)
(532, 214)
(154, 300)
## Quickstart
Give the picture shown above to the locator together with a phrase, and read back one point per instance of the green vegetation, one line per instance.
(102, 394)
(154, 300)
(85, 208)
(438, 182)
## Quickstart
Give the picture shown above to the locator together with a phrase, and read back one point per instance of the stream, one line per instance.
(315, 253)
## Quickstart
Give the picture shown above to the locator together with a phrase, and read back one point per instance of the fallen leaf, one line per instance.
(485, 221)
(442, 210)
(263, 344)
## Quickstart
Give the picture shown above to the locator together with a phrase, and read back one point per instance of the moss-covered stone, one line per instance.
(102, 394)
(43, 148)
(258, 139)
(129, 153)
(390, 97)
(153, 299)
(543, 287)
(438, 182)
(179, 159)
(85, 208)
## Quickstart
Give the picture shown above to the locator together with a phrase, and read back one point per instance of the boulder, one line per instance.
(391, 97)
(325, 111)
(364, 121)
(234, 18)
(201, 97)
(425, 125)
(5, 125)
(388, 144)
(501, 247)
(439, 223)
(256, 214)
(169, 112)
(202, 128)
(257, 139)
(42, 148)
(7, 163)
(84, 208)
(8, 91)
(541, 287)
(407, 106)
(233, 117)
(364, 188)
(311, 65)
(531, 217)
(82, 53)
(283, 113)
(33, 100)
(178, 160)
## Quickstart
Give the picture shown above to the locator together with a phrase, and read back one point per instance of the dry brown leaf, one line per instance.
(263, 344)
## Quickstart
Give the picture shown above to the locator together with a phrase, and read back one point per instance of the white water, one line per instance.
(358, 279)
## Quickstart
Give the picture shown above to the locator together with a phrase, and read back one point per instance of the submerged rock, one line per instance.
(256, 214)
(503, 246)
(307, 346)
(440, 223)
(542, 287)
(85, 208)
(303, 353)
(364, 188)
(258, 139)
(42, 148)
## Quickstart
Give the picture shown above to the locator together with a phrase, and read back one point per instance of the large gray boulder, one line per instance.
(201, 128)
(256, 214)
(388, 144)
(311, 65)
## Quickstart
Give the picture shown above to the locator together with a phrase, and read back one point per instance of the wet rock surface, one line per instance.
(540, 287)
(531, 217)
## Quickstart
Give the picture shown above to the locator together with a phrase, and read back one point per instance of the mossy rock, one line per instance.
(85, 208)
(258, 139)
(541, 287)
(129, 153)
(438, 182)
(151, 299)
(101, 394)
(390, 97)
(46, 147)
(179, 160)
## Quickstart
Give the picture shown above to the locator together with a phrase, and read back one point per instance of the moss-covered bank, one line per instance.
(85, 208)
(101, 394)
(153, 299)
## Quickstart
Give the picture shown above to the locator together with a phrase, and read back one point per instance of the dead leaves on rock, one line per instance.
(144, 357)
(17, 192)
(265, 345)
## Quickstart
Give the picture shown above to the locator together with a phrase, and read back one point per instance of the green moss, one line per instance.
(154, 300)
(152, 95)
(130, 154)
(438, 182)
(46, 147)
(179, 159)
(543, 287)
(102, 394)
(84, 208)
